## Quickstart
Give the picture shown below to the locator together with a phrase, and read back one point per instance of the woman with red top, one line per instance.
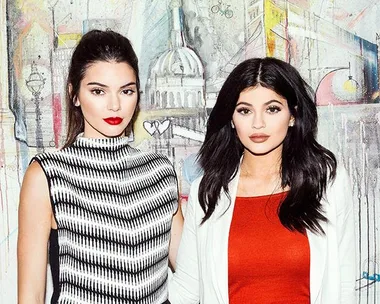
(270, 220)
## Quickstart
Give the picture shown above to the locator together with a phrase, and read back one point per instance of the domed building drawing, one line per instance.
(175, 110)
(177, 78)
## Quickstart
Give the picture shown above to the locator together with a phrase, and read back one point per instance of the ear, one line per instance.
(232, 125)
(76, 101)
(292, 121)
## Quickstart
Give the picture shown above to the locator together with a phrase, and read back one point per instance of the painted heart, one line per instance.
(163, 126)
(150, 127)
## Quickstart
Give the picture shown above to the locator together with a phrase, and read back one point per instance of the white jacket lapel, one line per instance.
(318, 251)
(219, 228)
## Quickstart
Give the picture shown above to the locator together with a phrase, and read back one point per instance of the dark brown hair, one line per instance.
(95, 46)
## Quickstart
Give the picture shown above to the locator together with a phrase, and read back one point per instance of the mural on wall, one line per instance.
(186, 48)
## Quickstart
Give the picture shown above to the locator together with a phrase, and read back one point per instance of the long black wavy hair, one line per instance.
(306, 166)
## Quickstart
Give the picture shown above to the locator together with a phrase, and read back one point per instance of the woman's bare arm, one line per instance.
(175, 236)
(34, 222)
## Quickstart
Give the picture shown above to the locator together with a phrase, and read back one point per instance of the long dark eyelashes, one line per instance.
(96, 91)
(272, 108)
(242, 110)
(129, 90)
(276, 108)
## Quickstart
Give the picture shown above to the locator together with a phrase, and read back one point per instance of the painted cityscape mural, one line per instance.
(186, 48)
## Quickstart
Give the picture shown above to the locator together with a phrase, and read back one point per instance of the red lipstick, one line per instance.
(259, 137)
(113, 120)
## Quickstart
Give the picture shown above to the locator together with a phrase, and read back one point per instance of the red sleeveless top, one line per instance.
(267, 263)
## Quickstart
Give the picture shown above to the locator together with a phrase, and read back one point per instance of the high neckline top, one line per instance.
(113, 205)
(108, 143)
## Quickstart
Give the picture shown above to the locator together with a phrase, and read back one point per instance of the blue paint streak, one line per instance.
(7, 237)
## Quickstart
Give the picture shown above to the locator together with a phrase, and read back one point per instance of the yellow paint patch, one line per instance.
(31, 6)
(273, 16)
(350, 86)
(68, 39)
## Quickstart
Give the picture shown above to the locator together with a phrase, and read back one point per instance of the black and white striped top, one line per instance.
(113, 205)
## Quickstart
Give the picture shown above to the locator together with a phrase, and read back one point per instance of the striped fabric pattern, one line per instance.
(113, 205)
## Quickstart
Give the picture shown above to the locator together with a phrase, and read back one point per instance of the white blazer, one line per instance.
(202, 263)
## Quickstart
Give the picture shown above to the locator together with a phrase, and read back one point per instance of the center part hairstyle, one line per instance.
(94, 46)
(306, 166)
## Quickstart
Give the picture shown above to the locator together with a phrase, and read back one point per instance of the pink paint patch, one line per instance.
(57, 117)
(183, 198)
(22, 23)
(325, 95)
(62, 29)
(341, 14)
(358, 18)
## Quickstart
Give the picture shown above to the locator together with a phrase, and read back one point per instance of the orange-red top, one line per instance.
(267, 263)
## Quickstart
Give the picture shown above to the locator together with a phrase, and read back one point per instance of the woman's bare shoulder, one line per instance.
(34, 183)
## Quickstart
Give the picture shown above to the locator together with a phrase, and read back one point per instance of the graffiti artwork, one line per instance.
(186, 48)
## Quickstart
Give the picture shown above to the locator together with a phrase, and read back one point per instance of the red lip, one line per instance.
(113, 120)
(259, 137)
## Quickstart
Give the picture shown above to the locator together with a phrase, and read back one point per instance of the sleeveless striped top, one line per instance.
(113, 205)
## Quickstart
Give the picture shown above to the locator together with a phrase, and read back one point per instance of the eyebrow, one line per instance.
(266, 103)
(106, 86)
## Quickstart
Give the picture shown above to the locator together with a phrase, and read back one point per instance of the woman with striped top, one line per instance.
(104, 209)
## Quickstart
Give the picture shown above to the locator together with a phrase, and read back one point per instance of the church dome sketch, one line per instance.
(177, 77)
(180, 61)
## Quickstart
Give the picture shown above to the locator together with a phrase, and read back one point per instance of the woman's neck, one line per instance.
(260, 175)
(261, 166)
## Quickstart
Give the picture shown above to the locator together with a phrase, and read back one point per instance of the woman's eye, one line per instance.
(273, 109)
(128, 92)
(97, 92)
(243, 111)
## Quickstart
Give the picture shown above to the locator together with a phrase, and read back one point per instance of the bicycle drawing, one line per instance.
(227, 12)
